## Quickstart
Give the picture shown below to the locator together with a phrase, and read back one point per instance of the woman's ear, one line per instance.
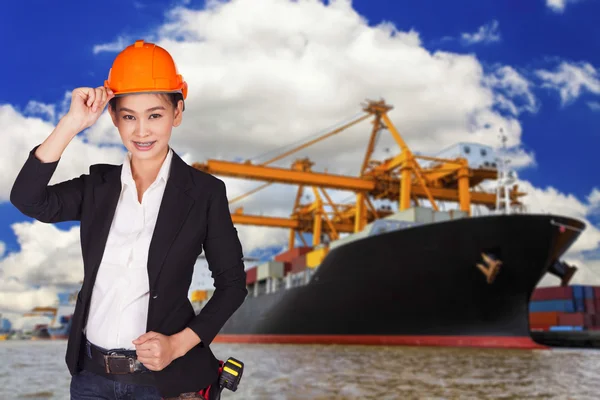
(178, 114)
(113, 114)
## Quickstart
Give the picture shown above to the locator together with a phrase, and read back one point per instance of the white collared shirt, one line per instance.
(119, 303)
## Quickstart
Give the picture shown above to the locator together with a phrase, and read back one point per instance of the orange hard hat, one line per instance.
(145, 68)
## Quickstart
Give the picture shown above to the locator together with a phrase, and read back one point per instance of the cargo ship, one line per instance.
(402, 287)
(417, 275)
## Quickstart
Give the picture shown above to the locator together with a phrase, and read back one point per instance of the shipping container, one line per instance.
(576, 318)
(544, 318)
(5, 325)
(552, 293)
(552, 305)
(298, 264)
(439, 216)
(270, 269)
(251, 275)
(315, 257)
(289, 255)
(422, 215)
(566, 328)
(578, 292)
(590, 306)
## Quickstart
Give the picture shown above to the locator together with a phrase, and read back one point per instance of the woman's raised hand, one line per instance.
(87, 104)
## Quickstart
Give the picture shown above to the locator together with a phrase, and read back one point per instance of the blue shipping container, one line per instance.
(552, 305)
(582, 291)
(566, 328)
(5, 325)
(588, 292)
(578, 292)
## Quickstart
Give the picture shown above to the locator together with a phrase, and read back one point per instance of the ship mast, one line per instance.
(506, 178)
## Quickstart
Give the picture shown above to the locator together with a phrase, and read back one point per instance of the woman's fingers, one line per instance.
(91, 96)
(98, 98)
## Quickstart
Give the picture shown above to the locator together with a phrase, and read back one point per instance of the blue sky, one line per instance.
(48, 50)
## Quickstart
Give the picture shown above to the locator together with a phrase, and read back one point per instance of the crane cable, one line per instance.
(305, 139)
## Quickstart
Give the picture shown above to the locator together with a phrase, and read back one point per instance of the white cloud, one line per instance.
(520, 158)
(558, 6)
(43, 261)
(487, 33)
(49, 262)
(571, 80)
(594, 105)
(113, 47)
(594, 200)
(2, 248)
(37, 108)
(513, 91)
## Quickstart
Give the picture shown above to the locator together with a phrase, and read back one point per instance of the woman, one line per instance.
(143, 224)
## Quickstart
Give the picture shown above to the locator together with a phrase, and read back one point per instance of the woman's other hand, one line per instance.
(155, 350)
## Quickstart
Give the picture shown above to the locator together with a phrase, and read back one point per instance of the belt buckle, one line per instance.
(118, 364)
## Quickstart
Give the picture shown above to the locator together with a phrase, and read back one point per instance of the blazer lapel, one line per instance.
(106, 197)
(174, 208)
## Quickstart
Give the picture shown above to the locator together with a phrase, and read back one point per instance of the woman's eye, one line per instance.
(127, 116)
(157, 115)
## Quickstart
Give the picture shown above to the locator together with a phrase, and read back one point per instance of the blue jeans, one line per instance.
(88, 386)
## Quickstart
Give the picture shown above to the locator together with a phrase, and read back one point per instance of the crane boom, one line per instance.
(383, 189)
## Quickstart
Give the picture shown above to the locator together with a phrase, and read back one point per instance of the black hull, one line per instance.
(416, 282)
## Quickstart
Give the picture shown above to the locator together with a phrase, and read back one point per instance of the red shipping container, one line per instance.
(287, 267)
(543, 318)
(597, 304)
(590, 306)
(596, 292)
(289, 255)
(552, 293)
(572, 319)
(298, 264)
(251, 275)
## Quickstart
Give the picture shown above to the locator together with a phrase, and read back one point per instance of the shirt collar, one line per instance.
(163, 173)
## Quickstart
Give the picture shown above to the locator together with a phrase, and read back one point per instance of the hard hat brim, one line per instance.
(149, 91)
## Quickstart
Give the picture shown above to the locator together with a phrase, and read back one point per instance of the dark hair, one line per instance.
(172, 97)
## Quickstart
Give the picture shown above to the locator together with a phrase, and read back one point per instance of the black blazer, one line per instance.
(193, 216)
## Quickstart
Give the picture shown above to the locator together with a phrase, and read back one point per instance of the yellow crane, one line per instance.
(399, 178)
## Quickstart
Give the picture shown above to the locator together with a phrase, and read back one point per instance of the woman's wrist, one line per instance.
(184, 341)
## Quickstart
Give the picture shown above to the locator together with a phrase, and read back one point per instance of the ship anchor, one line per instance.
(491, 269)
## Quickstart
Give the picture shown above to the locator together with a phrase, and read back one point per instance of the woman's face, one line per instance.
(144, 122)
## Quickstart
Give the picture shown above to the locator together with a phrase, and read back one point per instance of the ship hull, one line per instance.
(419, 285)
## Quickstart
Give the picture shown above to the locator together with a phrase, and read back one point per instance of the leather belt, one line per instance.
(115, 361)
